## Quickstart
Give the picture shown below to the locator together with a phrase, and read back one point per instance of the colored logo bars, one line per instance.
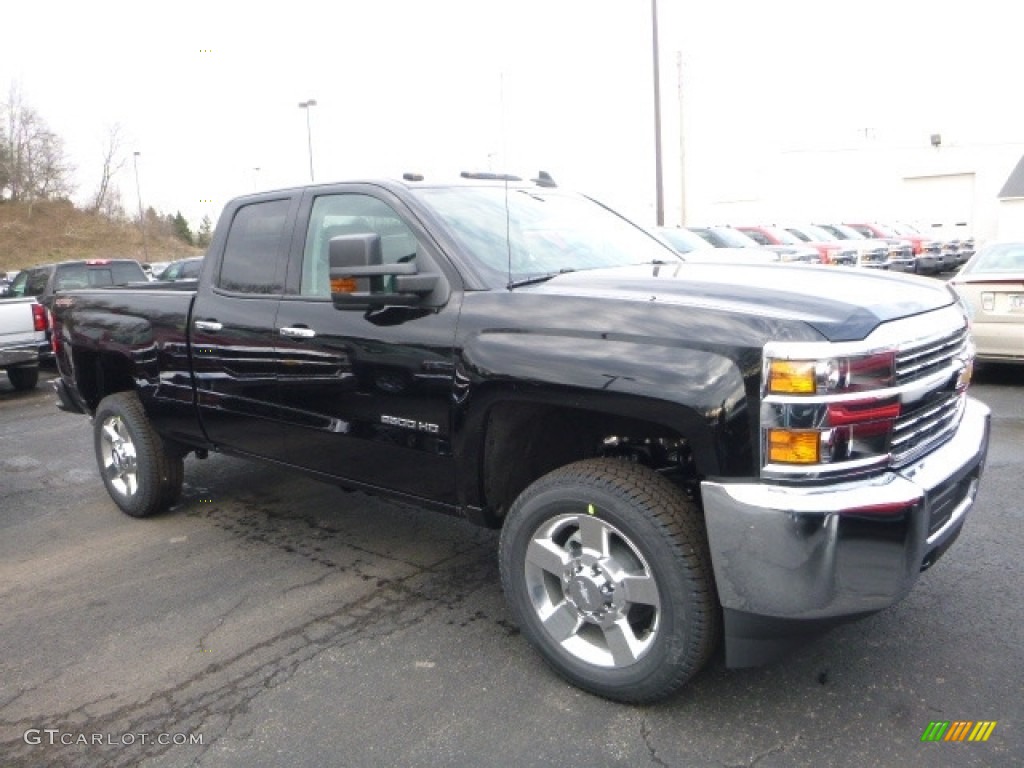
(958, 730)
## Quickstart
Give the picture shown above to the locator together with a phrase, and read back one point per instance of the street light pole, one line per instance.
(309, 133)
(142, 217)
(659, 191)
(682, 142)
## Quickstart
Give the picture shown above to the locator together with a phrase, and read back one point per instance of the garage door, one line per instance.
(942, 205)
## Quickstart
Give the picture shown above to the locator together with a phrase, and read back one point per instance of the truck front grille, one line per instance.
(923, 359)
(928, 423)
(931, 416)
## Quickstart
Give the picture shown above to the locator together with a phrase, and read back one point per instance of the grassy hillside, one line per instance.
(57, 231)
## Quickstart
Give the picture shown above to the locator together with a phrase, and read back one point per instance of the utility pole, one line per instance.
(309, 132)
(142, 216)
(682, 142)
(659, 191)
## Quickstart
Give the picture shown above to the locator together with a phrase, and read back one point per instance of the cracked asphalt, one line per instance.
(281, 622)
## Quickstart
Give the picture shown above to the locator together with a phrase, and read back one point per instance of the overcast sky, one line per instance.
(208, 91)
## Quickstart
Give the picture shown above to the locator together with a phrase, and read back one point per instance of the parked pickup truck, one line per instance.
(677, 454)
(23, 327)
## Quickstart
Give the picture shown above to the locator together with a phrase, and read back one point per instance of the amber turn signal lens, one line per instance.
(792, 377)
(789, 447)
(343, 285)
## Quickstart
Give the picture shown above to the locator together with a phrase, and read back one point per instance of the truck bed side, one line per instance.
(130, 338)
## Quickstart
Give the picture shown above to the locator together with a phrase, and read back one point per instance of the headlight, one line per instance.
(829, 410)
(831, 375)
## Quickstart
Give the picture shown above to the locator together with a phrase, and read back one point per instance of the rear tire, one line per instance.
(142, 474)
(24, 377)
(606, 568)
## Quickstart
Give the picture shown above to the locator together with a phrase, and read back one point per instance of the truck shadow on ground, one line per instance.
(380, 541)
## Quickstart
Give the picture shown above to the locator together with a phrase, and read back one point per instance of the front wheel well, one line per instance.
(525, 441)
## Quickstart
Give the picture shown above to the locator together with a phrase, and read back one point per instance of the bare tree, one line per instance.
(34, 165)
(113, 161)
(113, 205)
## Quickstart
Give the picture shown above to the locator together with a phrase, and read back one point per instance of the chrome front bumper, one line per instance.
(838, 551)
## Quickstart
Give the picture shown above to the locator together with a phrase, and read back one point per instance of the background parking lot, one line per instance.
(285, 622)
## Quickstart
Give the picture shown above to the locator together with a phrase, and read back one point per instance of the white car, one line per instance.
(992, 284)
(693, 247)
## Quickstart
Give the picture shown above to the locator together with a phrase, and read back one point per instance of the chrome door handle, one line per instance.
(298, 332)
(207, 325)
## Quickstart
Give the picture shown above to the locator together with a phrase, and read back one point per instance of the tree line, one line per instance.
(34, 167)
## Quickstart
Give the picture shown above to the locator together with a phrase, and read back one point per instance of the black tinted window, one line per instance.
(128, 272)
(34, 282)
(253, 256)
(71, 276)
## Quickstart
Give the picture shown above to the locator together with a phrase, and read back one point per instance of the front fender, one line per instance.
(699, 394)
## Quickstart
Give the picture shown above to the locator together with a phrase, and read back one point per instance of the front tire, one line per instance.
(23, 378)
(142, 474)
(605, 567)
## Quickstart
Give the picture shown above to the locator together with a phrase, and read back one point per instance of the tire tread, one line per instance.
(675, 518)
(161, 485)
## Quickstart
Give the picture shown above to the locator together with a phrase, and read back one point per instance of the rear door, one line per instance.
(232, 330)
(366, 395)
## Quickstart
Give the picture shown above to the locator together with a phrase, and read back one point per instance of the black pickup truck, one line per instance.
(674, 451)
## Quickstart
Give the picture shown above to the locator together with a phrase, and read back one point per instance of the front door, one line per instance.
(367, 394)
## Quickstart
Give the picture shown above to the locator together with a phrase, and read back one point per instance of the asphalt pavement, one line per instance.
(269, 620)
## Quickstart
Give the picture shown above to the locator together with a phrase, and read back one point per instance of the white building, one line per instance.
(953, 187)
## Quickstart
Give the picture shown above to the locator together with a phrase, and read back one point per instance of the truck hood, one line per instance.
(842, 304)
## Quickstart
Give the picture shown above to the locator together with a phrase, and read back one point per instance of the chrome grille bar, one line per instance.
(919, 361)
(916, 432)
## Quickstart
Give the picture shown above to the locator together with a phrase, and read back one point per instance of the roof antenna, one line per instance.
(544, 180)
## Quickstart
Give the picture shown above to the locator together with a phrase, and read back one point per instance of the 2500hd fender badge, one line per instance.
(419, 426)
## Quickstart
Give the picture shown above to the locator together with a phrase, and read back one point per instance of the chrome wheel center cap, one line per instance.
(589, 591)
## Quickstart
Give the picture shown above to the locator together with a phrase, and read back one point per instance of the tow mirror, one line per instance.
(360, 279)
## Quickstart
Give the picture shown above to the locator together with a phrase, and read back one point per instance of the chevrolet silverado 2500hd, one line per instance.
(677, 454)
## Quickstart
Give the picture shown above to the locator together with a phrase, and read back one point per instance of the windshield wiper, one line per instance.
(538, 278)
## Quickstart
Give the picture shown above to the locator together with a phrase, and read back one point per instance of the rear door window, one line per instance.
(254, 255)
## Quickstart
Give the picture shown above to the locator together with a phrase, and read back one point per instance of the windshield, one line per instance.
(540, 232)
(905, 229)
(817, 234)
(784, 237)
(733, 238)
(883, 231)
(843, 232)
(683, 240)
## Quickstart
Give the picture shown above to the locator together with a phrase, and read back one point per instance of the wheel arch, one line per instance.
(99, 373)
(519, 438)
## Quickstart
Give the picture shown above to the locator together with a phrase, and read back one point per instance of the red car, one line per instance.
(766, 235)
